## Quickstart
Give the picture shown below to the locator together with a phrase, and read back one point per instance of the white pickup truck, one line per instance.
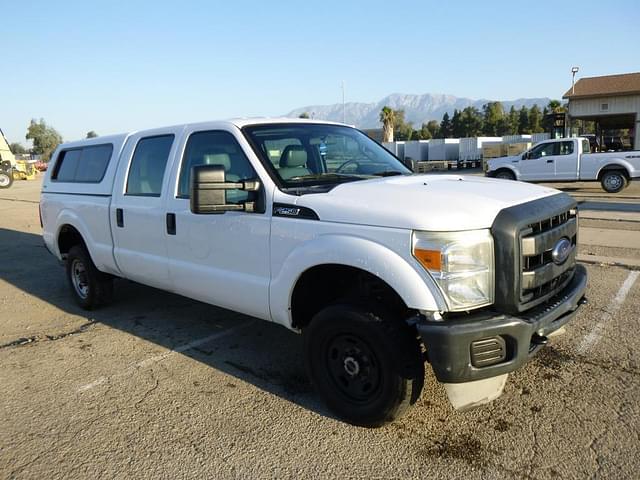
(318, 228)
(568, 160)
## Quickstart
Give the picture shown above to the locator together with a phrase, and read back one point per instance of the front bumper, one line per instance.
(449, 343)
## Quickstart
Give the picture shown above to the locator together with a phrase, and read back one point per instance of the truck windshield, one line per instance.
(307, 155)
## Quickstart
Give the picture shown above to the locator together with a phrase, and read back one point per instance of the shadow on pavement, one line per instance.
(264, 354)
(610, 206)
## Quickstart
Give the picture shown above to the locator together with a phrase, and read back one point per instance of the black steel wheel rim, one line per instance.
(353, 368)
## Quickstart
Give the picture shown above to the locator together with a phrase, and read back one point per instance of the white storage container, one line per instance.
(444, 149)
(540, 137)
(516, 138)
(471, 148)
(417, 150)
(391, 146)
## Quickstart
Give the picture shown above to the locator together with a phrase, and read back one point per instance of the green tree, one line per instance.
(523, 120)
(513, 121)
(387, 118)
(493, 115)
(445, 126)
(423, 133)
(433, 127)
(471, 122)
(91, 134)
(304, 115)
(403, 130)
(17, 148)
(45, 138)
(456, 124)
(535, 120)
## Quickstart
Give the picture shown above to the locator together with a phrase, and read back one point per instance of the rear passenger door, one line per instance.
(137, 212)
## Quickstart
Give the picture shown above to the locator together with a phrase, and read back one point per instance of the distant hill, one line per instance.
(418, 108)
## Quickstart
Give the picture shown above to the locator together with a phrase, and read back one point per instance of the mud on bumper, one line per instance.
(462, 350)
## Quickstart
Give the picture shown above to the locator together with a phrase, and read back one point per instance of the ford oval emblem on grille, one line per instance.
(561, 251)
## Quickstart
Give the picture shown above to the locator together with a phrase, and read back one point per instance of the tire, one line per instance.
(6, 179)
(505, 175)
(613, 181)
(367, 367)
(90, 287)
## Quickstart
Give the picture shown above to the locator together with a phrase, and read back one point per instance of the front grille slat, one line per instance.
(546, 272)
(544, 241)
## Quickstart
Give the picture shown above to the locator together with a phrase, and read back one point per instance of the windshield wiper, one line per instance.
(388, 173)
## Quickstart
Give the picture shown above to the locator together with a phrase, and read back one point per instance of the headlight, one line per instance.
(461, 263)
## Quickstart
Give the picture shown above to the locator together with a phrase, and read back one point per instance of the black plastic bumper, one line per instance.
(449, 343)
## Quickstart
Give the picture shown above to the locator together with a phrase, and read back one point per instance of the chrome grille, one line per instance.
(540, 277)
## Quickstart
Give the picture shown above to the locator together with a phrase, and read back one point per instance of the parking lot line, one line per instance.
(158, 358)
(594, 336)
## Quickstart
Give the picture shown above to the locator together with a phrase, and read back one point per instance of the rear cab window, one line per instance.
(82, 165)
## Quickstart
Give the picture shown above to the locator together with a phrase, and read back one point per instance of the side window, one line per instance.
(83, 165)
(216, 148)
(147, 166)
(544, 150)
(586, 146)
(93, 163)
(67, 165)
(566, 148)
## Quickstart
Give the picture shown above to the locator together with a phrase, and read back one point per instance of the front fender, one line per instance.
(416, 288)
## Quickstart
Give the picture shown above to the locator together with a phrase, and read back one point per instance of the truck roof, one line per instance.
(237, 122)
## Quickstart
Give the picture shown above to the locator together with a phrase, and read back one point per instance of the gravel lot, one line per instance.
(159, 386)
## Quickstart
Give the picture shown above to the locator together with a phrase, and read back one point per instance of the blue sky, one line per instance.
(119, 66)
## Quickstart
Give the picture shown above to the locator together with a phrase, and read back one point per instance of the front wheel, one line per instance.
(505, 175)
(367, 367)
(613, 181)
(6, 180)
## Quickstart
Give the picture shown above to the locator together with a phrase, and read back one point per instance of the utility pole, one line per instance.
(574, 70)
(344, 114)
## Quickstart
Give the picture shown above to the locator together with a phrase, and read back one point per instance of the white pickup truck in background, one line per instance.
(568, 160)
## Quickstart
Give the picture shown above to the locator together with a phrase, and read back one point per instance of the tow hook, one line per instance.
(539, 339)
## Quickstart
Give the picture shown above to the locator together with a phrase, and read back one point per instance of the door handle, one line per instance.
(119, 217)
(549, 161)
(171, 223)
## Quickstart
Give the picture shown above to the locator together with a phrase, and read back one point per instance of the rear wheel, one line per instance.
(6, 180)
(367, 367)
(613, 181)
(505, 175)
(90, 287)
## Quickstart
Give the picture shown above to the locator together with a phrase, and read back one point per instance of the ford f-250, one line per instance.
(316, 227)
(568, 160)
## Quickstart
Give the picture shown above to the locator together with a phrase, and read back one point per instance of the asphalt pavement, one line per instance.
(160, 386)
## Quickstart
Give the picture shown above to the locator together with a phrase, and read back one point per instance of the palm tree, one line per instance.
(387, 118)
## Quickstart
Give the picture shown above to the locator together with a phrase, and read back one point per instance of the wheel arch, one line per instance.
(328, 257)
(621, 166)
(507, 168)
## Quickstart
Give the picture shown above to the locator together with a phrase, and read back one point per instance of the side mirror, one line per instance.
(525, 155)
(208, 191)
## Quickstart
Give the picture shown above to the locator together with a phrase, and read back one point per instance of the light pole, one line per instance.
(574, 70)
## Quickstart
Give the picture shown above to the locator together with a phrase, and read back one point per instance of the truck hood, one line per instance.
(422, 202)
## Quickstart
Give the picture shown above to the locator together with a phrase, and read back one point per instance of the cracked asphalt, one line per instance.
(159, 386)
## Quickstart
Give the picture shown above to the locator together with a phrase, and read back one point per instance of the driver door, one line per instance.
(539, 163)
